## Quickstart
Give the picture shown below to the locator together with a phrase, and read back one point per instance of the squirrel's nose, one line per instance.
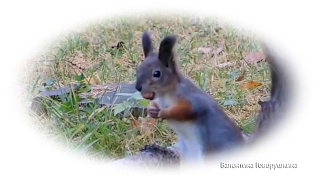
(138, 87)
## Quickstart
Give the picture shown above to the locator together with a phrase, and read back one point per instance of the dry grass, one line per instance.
(89, 51)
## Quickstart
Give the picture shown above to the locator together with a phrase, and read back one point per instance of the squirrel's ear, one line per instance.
(146, 43)
(166, 55)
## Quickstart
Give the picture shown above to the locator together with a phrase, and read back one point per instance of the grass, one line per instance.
(95, 130)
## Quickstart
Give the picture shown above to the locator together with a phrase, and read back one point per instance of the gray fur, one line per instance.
(147, 45)
(211, 130)
(217, 130)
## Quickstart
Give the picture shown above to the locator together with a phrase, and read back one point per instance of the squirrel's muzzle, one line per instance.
(138, 87)
(145, 93)
(148, 95)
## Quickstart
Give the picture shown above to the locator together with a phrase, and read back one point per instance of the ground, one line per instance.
(224, 60)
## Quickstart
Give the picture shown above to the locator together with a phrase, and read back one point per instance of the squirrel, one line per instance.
(203, 128)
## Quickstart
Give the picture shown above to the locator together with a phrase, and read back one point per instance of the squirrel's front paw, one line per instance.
(163, 113)
(153, 112)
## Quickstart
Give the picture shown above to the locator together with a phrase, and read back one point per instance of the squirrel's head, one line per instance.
(157, 73)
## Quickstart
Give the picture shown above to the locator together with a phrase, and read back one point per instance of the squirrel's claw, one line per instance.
(153, 112)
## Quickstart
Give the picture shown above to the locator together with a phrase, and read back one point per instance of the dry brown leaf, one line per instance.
(204, 50)
(251, 85)
(207, 50)
(94, 80)
(241, 76)
(218, 50)
(80, 62)
(77, 139)
(226, 64)
(253, 57)
(216, 83)
(135, 123)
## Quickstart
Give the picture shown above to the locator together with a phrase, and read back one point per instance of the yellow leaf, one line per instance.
(251, 85)
(93, 80)
(139, 137)
(148, 133)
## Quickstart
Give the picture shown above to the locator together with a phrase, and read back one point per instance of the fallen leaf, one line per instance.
(226, 64)
(204, 50)
(241, 76)
(216, 83)
(207, 50)
(135, 123)
(77, 139)
(79, 63)
(253, 57)
(218, 50)
(139, 137)
(93, 80)
(148, 133)
(251, 85)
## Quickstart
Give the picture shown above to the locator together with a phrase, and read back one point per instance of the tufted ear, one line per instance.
(147, 45)
(166, 54)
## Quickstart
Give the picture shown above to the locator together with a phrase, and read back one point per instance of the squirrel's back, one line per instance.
(200, 122)
(216, 130)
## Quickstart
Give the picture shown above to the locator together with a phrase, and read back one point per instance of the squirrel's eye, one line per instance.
(156, 74)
